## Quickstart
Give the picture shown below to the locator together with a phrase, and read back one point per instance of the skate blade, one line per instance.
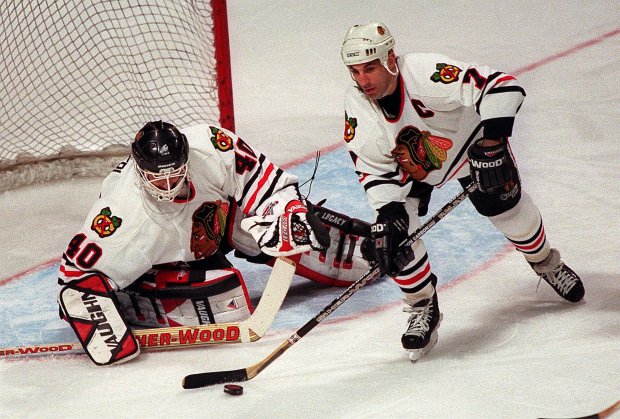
(416, 354)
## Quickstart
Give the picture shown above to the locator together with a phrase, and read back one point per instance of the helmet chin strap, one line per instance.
(394, 73)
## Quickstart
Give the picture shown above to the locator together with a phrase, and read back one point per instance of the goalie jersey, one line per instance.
(127, 233)
(440, 107)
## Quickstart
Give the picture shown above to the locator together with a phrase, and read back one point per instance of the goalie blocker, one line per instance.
(90, 307)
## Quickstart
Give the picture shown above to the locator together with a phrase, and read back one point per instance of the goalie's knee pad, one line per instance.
(90, 307)
(186, 297)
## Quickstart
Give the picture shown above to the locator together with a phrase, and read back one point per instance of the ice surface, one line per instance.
(506, 349)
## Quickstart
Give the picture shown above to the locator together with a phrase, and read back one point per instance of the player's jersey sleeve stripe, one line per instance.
(498, 104)
(491, 78)
(71, 274)
(379, 182)
(269, 192)
(507, 77)
(505, 89)
(255, 175)
(261, 183)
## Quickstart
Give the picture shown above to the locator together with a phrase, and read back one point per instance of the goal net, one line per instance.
(80, 77)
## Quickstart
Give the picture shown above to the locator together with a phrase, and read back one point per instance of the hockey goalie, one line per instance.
(152, 251)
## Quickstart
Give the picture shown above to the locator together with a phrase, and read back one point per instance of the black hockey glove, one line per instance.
(491, 167)
(388, 232)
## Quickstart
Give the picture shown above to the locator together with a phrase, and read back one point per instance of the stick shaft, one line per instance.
(374, 272)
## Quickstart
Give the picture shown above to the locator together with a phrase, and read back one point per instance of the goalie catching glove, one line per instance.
(342, 263)
(283, 226)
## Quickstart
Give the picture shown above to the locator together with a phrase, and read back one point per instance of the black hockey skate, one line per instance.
(562, 279)
(421, 334)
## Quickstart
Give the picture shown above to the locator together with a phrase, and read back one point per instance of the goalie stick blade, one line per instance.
(271, 300)
(211, 378)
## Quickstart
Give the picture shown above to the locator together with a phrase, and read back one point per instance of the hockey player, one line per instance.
(413, 123)
(152, 250)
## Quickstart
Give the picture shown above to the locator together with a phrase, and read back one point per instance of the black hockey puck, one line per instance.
(233, 389)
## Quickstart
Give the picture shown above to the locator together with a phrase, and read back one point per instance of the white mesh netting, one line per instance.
(80, 77)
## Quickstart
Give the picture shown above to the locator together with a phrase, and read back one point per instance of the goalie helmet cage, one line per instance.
(80, 77)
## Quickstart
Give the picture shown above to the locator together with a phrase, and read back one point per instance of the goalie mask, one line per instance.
(161, 153)
(365, 43)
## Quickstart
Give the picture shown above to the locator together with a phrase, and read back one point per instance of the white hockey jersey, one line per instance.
(127, 232)
(445, 105)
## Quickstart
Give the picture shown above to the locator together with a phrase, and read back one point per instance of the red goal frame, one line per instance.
(222, 64)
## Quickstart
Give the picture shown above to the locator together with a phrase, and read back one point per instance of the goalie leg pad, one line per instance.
(167, 298)
(90, 307)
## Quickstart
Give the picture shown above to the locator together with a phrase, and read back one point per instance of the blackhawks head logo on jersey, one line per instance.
(208, 225)
(446, 73)
(419, 152)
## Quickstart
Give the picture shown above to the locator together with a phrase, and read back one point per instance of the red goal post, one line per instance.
(80, 77)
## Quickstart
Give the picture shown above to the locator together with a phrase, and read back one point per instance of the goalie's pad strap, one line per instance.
(92, 311)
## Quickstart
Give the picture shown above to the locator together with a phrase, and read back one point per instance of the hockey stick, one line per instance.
(244, 374)
(605, 413)
(249, 330)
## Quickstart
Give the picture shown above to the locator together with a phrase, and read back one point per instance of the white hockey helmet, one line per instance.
(364, 43)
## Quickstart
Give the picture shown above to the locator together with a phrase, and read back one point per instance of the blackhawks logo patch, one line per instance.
(208, 226)
(420, 152)
(446, 73)
(105, 224)
(221, 140)
(350, 124)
